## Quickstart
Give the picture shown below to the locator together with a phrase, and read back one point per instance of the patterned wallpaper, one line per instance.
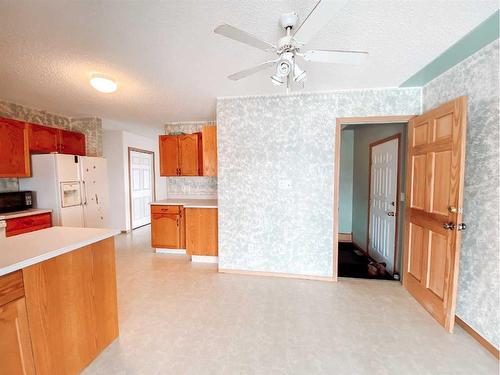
(276, 157)
(92, 127)
(190, 186)
(479, 278)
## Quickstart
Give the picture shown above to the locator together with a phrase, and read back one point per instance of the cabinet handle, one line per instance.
(177, 221)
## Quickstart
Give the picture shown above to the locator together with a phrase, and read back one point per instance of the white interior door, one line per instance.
(383, 202)
(142, 182)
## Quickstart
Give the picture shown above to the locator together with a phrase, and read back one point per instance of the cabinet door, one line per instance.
(14, 149)
(169, 155)
(71, 143)
(189, 154)
(16, 356)
(209, 142)
(165, 231)
(27, 224)
(43, 139)
(201, 231)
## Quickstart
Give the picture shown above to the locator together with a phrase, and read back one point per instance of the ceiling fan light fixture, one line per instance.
(299, 75)
(277, 80)
(283, 69)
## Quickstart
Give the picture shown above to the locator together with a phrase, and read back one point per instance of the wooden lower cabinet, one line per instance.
(70, 303)
(201, 231)
(16, 356)
(20, 225)
(167, 227)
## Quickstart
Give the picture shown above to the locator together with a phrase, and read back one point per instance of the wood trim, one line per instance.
(345, 237)
(130, 180)
(276, 274)
(398, 186)
(336, 170)
(480, 339)
(374, 119)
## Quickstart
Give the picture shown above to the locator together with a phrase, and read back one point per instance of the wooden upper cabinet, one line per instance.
(169, 155)
(43, 139)
(189, 154)
(14, 149)
(209, 147)
(72, 143)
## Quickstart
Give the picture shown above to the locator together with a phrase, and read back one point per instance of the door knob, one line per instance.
(449, 226)
(390, 214)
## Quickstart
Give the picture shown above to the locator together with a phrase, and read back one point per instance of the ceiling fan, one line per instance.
(289, 47)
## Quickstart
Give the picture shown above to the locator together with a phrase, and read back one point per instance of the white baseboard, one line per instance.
(204, 259)
(170, 251)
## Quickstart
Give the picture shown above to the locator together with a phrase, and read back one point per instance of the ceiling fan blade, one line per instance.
(243, 37)
(335, 56)
(321, 14)
(250, 71)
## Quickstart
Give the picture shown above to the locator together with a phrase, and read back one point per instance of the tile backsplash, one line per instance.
(190, 186)
(8, 184)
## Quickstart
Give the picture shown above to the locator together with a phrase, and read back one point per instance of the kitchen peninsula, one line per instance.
(58, 304)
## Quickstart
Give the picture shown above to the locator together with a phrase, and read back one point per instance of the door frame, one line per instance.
(398, 193)
(130, 149)
(336, 170)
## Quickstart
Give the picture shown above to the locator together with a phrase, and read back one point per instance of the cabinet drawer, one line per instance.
(165, 209)
(11, 287)
(28, 224)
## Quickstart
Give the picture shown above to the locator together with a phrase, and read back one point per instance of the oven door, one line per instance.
(71, 194)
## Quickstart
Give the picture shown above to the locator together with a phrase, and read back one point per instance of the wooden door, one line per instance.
(189, 154)
(384, 158)
(43, 139)
(16, 356)
(165, 230)
(169, 155)
(71, 143)
(209, 146)
(435, 172)
(14, 149)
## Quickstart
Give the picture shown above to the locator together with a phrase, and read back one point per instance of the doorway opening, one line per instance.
(369, 200)
(141, 185)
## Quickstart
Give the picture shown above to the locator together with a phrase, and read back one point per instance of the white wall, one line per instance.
(116, 142)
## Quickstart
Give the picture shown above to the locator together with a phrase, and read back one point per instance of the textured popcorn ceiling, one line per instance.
(170, 66)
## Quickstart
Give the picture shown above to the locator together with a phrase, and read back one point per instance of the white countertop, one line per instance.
(187, 203)
(29, 212)
(24, 250)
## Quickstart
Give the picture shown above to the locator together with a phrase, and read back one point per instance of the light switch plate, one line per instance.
(401, 197)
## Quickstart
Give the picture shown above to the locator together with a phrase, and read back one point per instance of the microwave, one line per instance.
(16, 201)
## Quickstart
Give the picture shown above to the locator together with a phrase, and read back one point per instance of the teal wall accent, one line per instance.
(485, 33)
(345, 183)
(364, 135)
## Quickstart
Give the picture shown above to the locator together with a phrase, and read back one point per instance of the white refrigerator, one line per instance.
(74, 187)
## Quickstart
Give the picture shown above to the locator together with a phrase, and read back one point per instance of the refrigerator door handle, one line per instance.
(84, 189)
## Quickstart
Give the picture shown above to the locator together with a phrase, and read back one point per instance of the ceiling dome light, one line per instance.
(103, 84)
